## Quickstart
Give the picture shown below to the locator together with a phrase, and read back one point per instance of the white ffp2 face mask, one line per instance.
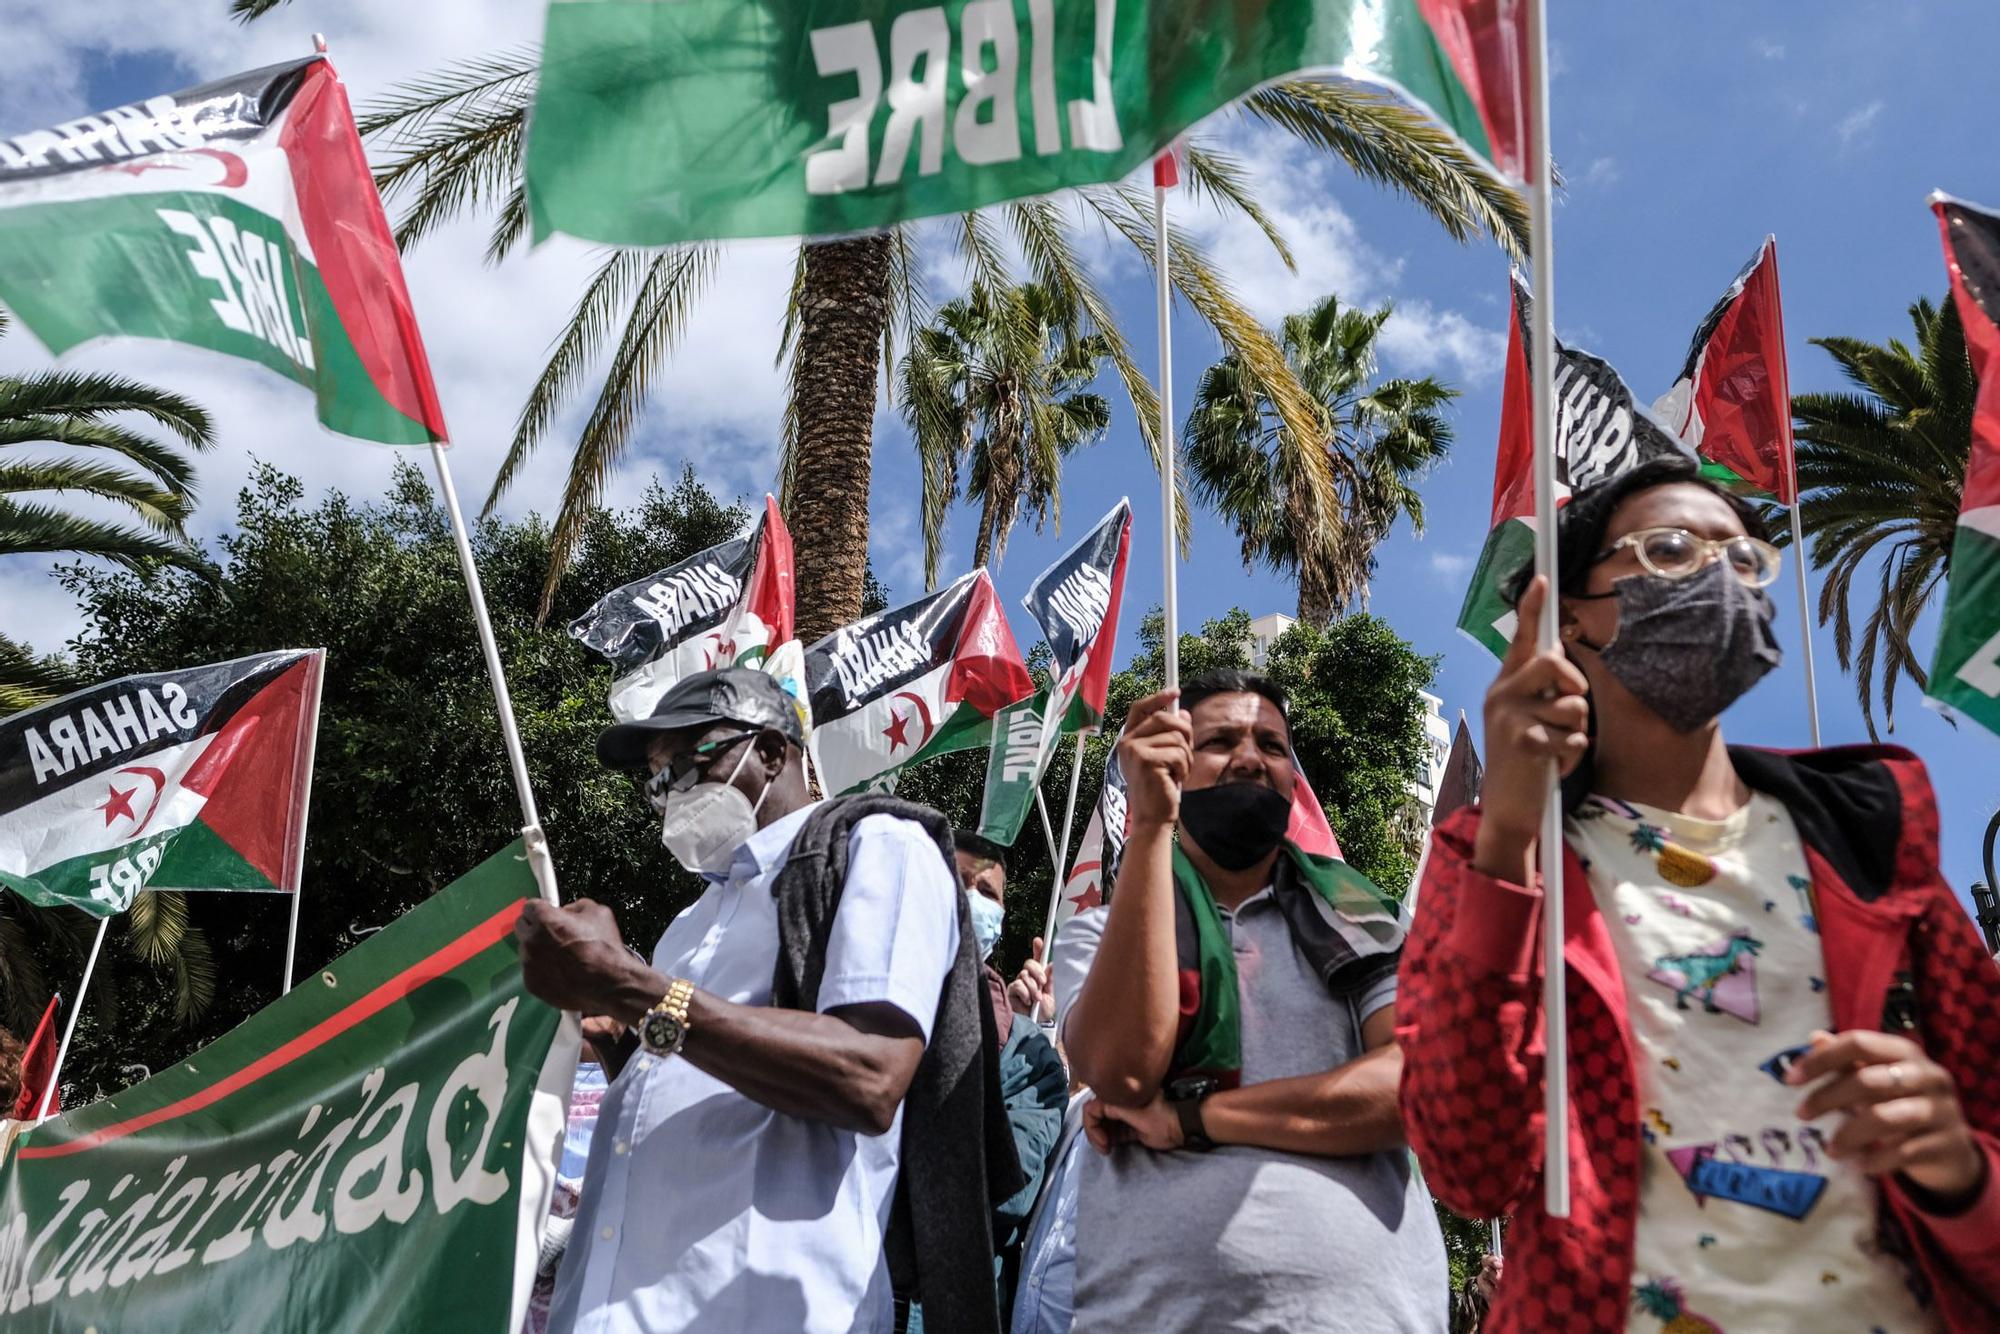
(705, 825)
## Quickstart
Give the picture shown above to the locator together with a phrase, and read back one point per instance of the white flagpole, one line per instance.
(531, 823)
(1798, 534)
(1069, 818)
(1541, 218)
(1169, 512)
(305, 813)
(1493, 1239)
(69, 1029)
(1049, 835)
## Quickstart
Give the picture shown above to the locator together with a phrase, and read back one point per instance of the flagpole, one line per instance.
(69, 1029)
(1048, 833)
(1169, 512)
(1069, 819)
(1798, 533)
(305, 814)
(1541, 217)
(536, 841)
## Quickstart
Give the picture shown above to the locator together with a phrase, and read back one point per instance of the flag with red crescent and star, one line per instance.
(192, 780)
(910, 683)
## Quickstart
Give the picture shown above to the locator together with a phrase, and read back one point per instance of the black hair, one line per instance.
(1229, 681)
(968, 842)
(1582, 523)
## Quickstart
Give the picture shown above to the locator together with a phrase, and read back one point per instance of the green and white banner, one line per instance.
(373, 1152)
(239, 217)
(1965, 676)
(661, 123)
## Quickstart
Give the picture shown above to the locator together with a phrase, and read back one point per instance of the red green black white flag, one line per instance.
(1732, 402)
(193, 780)
(727, 606)
(1601, 431)
(240, 217)
(1965, 676)
(910, 683)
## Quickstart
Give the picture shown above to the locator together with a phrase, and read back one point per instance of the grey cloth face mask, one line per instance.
(1689, 648)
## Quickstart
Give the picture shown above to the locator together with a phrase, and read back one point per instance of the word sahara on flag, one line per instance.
(193, 779)
(703, 119)
(727, 606)
(1965, 676)
(910, 683)
(1601, 431)
(239, 217)
(372, 1152)
(1732, 403)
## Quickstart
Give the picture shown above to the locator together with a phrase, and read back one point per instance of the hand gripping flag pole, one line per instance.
(1555, 1068)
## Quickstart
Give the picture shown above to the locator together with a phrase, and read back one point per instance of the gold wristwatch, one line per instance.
(663, 1030)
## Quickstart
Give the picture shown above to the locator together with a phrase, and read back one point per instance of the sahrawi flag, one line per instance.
(661, 123)
(912, 683)
(1965, 676)
(1600, 432)
(1095, 867)
(1076, 602)
(1732, 403)
(727, 606)
(194, 779)
(239, 217)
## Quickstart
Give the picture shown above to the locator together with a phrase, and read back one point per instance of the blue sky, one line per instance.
(1687, 132)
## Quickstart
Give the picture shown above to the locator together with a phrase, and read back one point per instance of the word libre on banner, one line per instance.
(1965, 675)
(656, 124)
(240, 217)
(1076, 603)
(730, 605)
(1601, 431)
(350, 1158)
(193, 780)
(910, 683)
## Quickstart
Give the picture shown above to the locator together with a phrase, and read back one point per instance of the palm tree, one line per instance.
(998, 384)
(1881, 473)
(1317, 503)
(456, 141)
(112, 463)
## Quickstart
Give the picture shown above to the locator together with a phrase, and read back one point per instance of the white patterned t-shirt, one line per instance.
(1745, 1222)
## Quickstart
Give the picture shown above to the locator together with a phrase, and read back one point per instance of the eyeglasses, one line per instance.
(689, 767)
(1675, 553)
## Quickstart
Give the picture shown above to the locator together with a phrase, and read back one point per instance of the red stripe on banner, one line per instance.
(479, 938)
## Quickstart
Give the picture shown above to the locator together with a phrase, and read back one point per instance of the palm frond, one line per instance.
(456, 140)
(90, 396)
(164, 511)
(1224, 181)
(39, 530)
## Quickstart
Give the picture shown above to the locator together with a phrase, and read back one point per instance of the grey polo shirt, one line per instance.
(1251, 1239)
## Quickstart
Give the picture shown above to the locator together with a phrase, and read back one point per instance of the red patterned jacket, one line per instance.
(1901, 955)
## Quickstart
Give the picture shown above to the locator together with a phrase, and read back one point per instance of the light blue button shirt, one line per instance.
(703, 1210)
(1045, 1293)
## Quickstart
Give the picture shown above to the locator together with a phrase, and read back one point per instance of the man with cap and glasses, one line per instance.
(809, 1050)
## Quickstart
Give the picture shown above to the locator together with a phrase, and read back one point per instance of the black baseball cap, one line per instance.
(732, 694)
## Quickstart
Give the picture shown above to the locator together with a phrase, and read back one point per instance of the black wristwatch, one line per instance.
(1186, 1095)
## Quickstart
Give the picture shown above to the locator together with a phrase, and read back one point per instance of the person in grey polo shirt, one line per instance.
(1235, 1023)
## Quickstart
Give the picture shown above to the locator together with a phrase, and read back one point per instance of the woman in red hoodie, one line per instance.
(1784, 1033)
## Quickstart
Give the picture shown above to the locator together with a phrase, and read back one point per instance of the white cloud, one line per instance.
(1603, 172)
(1451, 567)
(1857, 125)
(1767, 48)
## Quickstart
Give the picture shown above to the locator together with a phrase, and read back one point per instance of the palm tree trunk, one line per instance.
(843, 306)
(982, 546)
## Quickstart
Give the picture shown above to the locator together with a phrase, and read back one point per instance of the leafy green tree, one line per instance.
(105, 459)
(1881, 475)
(411, 787)
(997, 385)
(457, 138)
(1315, 503)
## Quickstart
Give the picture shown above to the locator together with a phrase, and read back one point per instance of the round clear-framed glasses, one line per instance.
(1675, 553)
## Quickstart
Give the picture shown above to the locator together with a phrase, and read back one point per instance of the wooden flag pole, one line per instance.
(1541, 218)
(305, 813)
(69, 1029)
(1169, 511)
(536, 841)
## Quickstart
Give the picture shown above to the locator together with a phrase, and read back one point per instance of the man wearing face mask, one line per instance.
(809, 1116)
(1235, 1026)
(1784, 1102)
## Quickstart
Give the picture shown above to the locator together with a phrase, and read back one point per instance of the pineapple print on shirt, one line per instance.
(1745, 1222)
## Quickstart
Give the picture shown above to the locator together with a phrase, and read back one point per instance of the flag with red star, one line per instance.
(728, 605)
(189, 780)
(911, 683)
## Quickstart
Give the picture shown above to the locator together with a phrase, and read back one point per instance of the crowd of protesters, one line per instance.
(1219, 1104)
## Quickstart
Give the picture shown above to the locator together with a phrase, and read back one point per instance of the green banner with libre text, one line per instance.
(372, 1152)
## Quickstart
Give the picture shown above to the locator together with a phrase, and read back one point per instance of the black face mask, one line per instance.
(1236, 824)
(1689, 648)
